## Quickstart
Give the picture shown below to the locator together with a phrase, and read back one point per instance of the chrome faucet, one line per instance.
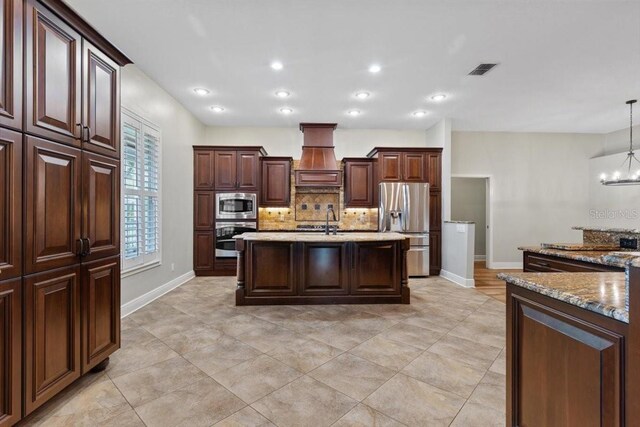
(327, 227)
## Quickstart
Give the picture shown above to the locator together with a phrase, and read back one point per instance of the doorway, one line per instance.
(470, 202)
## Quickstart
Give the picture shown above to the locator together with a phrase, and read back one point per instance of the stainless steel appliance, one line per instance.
(236, 206)
(404, 208)
(225, 243)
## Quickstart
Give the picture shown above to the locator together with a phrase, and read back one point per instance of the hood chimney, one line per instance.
(318, 165)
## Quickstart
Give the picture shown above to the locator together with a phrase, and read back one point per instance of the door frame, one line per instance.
(489, 212)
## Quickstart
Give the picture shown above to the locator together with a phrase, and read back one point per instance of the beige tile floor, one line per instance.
(192, 358)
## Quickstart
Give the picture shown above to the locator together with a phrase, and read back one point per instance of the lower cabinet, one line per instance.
(325, 269)
(51, 334)
(100, 311)
(203, 250)
(376, 268)
(10, 352)
(273, 269)
(435, 253)
(565, 366)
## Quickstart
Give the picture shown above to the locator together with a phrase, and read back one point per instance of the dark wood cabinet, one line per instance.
(11, 63)
(248, 170)
(325, 269)
(100, 206)
(542, 263)
(10, 204)
(376, 267)
(203, 211)
(53, 52)
(273, 271)
(53, 205)
(434, 162)
(203, 172)
(203, 250)
(236, 170)
(100, 311)
(435, 210)
(51, 334)
(565, 365)
(275, 188)
(435, 252)
(100, 101)
(360, 184)
(414, 167)
(225, 165)
(390, 165)
(10, 352)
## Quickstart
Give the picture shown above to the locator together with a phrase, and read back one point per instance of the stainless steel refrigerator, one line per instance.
(404, 208)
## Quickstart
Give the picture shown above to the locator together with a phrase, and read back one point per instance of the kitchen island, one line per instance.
(573, 347)
(315, 268)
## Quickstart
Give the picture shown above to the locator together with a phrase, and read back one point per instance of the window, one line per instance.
(141, 193)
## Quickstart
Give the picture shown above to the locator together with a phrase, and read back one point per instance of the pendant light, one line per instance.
(632, 178)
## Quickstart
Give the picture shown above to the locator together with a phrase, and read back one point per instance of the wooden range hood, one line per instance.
(318, 165)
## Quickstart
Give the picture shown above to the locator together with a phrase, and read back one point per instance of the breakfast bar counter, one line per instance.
(316, 268)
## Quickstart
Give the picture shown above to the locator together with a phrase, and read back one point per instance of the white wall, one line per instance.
(288, 141)
(468, 197)
(539, 185)
(180, 130)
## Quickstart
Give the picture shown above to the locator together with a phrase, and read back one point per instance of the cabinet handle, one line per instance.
(544, 264)
(87, 251)
(88, 134)
(80, 247)
(79, 125)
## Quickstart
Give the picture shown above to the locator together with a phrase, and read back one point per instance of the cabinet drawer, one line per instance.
(550, 264)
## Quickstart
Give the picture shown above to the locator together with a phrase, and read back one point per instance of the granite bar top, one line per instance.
(602, 293)
(615, 259)
(321, 237)
(608, 229)
(581, 246)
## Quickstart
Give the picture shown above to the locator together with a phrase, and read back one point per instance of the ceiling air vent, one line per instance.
(482, 69)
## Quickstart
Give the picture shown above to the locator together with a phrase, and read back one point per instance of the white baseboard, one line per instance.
(142, 300)
(458, 280)
(505, 266)
(480, 257)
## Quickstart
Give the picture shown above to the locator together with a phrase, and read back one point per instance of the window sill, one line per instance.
(139, 269)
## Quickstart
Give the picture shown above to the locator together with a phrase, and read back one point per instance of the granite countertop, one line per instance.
(602, 293)
(608, 229)
(321, 237)
(581, 246)
(612, 258)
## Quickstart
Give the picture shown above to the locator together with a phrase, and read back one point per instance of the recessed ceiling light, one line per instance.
(217, 109)
(438, 97)
(201, 91)
(419, 113)
(286, 110)
(374, 68)
(362, 95)
(282, 94)
(277, 65)
(353, 112)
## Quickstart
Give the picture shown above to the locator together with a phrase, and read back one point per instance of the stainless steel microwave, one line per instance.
(236, 206)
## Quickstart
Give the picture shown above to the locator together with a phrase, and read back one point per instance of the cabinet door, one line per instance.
(203, 210)
(275, 186)
(225, 170)
(390, 166)
(435, 253)
(53, 75)
(203, 177)
(100, 310)
(358, 184)
(434, 160)
(100, 102)
(100, 205)
(11, 63)
(376, 268)
(10, 204)
(325, 269)
(435, 210)
(10, 352)
(53, 205)
(414, 167)
(272, 270)
(564, 371)
(248, 170)
(51, 334)
(203, 250)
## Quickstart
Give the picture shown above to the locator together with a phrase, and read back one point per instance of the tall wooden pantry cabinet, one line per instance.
(59, 202)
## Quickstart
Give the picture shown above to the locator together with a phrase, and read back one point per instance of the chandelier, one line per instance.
(632, 178)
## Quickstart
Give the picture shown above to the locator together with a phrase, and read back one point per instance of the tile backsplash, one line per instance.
(289, 218)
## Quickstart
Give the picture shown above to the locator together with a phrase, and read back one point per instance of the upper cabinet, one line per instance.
(11, 63)
(203, 174)
(53, 76)
(390, 166)
(408, 164)
(414, 167)
(360, 183)
(233, 169)
(275, 190)
(100, 101)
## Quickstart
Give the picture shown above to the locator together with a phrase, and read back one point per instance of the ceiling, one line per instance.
(564, 66)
